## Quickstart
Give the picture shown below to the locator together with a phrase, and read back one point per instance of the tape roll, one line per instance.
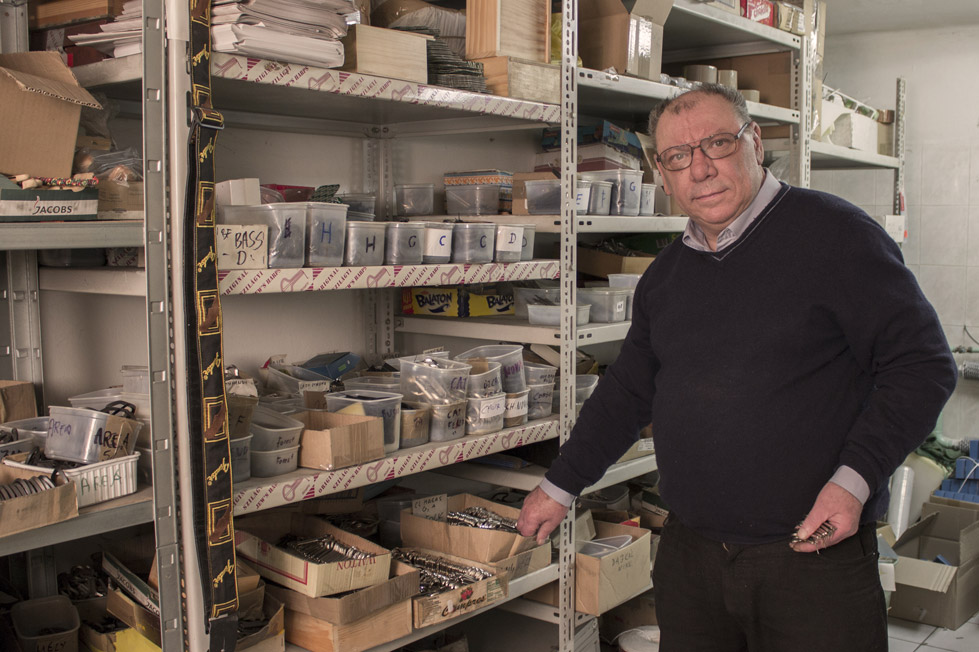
(701, 73)
(728, 78)
(751, 94)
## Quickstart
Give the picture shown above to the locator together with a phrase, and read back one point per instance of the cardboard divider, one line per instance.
(333, 441)
(36, 510)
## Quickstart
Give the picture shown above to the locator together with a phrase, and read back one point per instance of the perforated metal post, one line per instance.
(899, 144)
(803, 70)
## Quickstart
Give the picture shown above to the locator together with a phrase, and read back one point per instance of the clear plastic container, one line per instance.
(396, 362)
(627, 281)
(355, 216)
(608, 305)
(359, 202)
(485, 379)
(473, 242)
(543, 315)
(386, 405)
(438, 242)
(365, 244)
(539, 374)
(241, 458)
(485, 415)
(482, 199)
(527, 246)
(377, 383)
(266, 464)
(543, 196)
(414, 199)
(46, 624)
(416, 422)
(135, 379)
(600, 198)
(435, 380)
(626, 189)
(509, 243)
(539, 400)
(582, 196)
(584, 385)
(516, 409)
(22, 435)
(448, 422)
(273, 430)
(404, 243)
(287, 229)
(325, 234)
(77, 435)
(647, 199)
(524, 296)
(287, 378)
(510, 357)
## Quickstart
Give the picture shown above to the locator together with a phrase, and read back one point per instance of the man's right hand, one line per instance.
(540, 515)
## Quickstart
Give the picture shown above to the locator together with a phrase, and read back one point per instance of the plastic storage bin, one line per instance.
(510, 357)
(582, 196)
(607, 304)
(98, 482)
(241, 458)
(272, 431)
(539, 374)
(515, 413)
(544, 315)
(600, 198)
(376, 383)
(414, 199)
(485, 379)
(485, 415)
(326, 232)
(135, 379)
(287, 229)
(509, 243)
(482, 199)
(404, 243)
(33, 430)
(543, 196)
(527, 246)
(434, 380)
(386, 405)
(473, 242)
(416, 422)
(266, 464)
(288, 378)
(46, 624)
(626, 281)
(524, 296)
(74, 433)
(365, 243)
(626, 189)
(647, 199)
(539, 400)
(448, 422)
(359, 202)
(584, 385)
(438, 242)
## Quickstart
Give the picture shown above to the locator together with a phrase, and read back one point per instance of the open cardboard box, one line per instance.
(333, 441)
(36, 510)
(316, 635)
(252, 541)
(623, 34)
(480, 545)
(525, 562)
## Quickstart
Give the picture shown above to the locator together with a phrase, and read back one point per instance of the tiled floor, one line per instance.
(906, 636)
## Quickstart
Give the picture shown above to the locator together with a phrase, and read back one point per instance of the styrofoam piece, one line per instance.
(365, 243)
(477, 199)
(510, 356)
(438, 242)
(473, 242)
(608, 305)
(509, 243)
(326, 232)
(287, 229)
(414, 199)
(99, 482)
(386, 405)
(543, 196)
(485, 415)
(266, 464)
(273, 430)
(529, 237)
(404, 243)
(241, 458)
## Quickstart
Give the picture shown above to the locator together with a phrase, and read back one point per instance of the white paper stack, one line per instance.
(122, 36)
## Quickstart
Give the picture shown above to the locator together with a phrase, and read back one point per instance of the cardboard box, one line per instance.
(626, 36)
(252, 537)
(454, 302)
(125, 640)
(770, 74)
(625, 141)
(432, 609)
(134, 586)
(351, 607)
(603, 583)
(522, 79)
(596, 156)
(759, 11)
(478, 544)
(601, 263)
(928, 591)
(274, 611)
(120, 197)
(34, 205)
(51, 13)
(317, 635)
(509, 28)
(790, 19)
(333, 441)
(855, 131)
(386, 53)
(41, 105)
(17, 400)
(525, 562)
(140, 619)
(36, 510)
(640, 611)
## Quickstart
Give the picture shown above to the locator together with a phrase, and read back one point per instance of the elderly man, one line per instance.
(788, 363)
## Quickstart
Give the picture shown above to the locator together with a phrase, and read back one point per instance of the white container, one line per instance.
(438, 242)
(600, 197)
(647, 199)
(287, 229)
(510, 357)
(414, 199)
(448, 421)
(641, 639)
(404, 243)
(509, 243)
(543, 315)
(543, 196)
(266, 464)
(416, 424)
(539, 400)
(473, 242)
(99, 482)
(626, 189)
(515, 413)
(34, 619)
(481, 199)
(135, 379)
(75, 435)
(524, 296)
(325, 234)
(584, 385)
(359, 202)
(582, 196)
(365, 244)
(484, 383)
(527, 246)
(485, 415)
(436, 381)
(377, 383)
(241, 458)
(608, 305)
(273, 430)
(539, 374)
(629, 281)
(386, 405)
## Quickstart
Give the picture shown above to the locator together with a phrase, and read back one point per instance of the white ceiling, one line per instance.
(849, 16)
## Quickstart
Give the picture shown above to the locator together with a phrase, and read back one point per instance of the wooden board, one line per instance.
(514, 28)
(522, 79)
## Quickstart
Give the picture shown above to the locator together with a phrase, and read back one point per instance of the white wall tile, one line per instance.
(912, 174)
(884, 188)
(944, 235)
(945, 288)
(857, 186)
(824, 180)
(972, 299)
(963, 408)
(897, 645)
(945, 173)
(974, 175)
(912, 244)
(973, 257)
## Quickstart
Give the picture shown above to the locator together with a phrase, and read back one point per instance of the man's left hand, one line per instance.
(836, 506)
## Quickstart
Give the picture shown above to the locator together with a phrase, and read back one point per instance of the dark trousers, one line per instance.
(716, 597)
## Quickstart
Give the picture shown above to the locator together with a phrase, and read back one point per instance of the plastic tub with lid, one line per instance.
(266, 464)
(509, 243)
(510, 357)
(404, 243)
(365, 244)
(273, 430)
(326, 233)
(414, 199)
(287, 229)
(473, 242)
(608, 305)
(386, 405)
(438, 242)
(600, 197)
(480, 199)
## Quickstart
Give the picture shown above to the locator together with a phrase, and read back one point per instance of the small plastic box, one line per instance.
(485, 415)
(483, 199)
(484, 383)
(473, 242)
(626, 189)
(325, 234)
(510, 357)
(386, 405)
(543, 196)
(376, 383)
(438, 242)
(600, 198)
(527, 246)
(74, 432)
(365, 244)
(273, 430)
(46, 624)
(414, 199)
(608, 305)
(359, 202)
(439, 382)
(287, 229)
(509, 243)
(584, 386)
(629, 281)
(647, 199)
(539, 374)
(266, 464)
(539, 400)
(515, 413)
(404, 243)
(524, 296)
(241, 458)
(448, 422)
(542, 315)
(582, 196)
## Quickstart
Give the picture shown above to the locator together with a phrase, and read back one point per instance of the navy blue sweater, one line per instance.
(804, 346)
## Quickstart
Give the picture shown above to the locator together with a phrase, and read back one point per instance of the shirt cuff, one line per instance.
(556, 492)
(853, 482)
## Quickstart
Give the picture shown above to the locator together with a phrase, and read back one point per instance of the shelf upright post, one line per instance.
(899, 144)
(569, 331)
(803, 71)
(13, 26)
(25, 320)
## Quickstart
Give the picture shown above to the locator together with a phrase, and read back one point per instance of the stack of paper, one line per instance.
(122, 36)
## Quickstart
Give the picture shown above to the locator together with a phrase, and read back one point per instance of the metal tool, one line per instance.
(323, 550)
(482, 518)
(439, 574)
(824, 531)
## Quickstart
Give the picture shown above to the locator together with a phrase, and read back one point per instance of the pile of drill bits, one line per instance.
(482, 518)
(323, 550)
(824, 531)
(439, 574)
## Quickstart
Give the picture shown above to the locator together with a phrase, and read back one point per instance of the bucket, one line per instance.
(365, 244)
(473, 242)
(600, 198)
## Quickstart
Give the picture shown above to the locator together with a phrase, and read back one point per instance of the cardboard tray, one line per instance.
(37, 510)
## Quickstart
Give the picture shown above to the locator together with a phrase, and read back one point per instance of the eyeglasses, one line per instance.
(714, 147)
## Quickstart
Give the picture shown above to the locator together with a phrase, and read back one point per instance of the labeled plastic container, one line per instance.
(584, 385)
(414, 199)
(473, 242)
(647, 199)
(434, 380)
(272, 431)
(481, 199)
(266, 464)
(524, 296)
(543, 196)
(404, 243)
(365, 244)
(326, 232)
(359, 202)
(485, 379)
(448, 421)
(509, 243)
(582, 196)
(626, 281)
(515, 413)
(510, 357)
(608, 305)
(539, 374)
(377, 383)
(527, 246)
(289, 379)
(241, 458)
(77, 435)
(485, 415)
(31, 431)
(98, 482)
(626, 189)
(416, 423)
(600, 197)
(438, 242)
(46, 624)
(540, 400)
(287, 229)
(386, 405)
(543, 315)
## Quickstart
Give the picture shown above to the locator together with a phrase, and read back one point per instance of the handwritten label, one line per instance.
(646, 445)
(241, 387)
(509, 238)
(492, 408)
(243, 246)
(437, 349)
(516, 405)
(431, 507)
(314, 385)
(438, 242)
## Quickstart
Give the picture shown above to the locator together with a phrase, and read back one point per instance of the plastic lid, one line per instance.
(405, 225)
(474, 225)
(368, 225)
(548, 182)
(415, 185)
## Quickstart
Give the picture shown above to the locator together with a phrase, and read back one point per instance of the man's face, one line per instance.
(713, 192)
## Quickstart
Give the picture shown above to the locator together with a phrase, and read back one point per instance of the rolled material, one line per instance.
(700, 73)
(728, 78)
(899, 510)
(751, 95)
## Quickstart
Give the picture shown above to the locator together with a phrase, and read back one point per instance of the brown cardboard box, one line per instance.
(771, 74)
(334, 441)
(37, 510)
(523, 80)
(121, 197)
(386, 53)
(601, 263)
(611, 35)
(525, 562)
(944, 595)
(252, 537)
(432, 609)
(41, 105)
(17, 400)
(637, 612)
(50, 13)
(509, 28)
(480, 545)
(125, 640)
(317, 635)
(274, 611)
(128, 611)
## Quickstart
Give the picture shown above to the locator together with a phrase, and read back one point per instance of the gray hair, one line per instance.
(684, 101)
